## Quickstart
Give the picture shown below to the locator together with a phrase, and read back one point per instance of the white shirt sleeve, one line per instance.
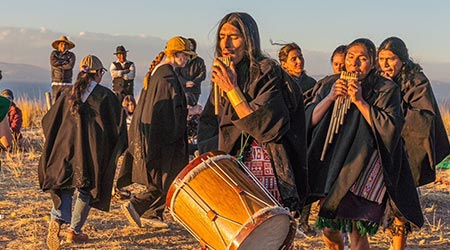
(130, 76)
(114, 71)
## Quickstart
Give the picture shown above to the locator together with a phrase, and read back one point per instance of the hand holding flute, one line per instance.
(344, 91)
(224, 78)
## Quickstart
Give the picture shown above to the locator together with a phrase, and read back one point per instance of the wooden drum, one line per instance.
(224, 206)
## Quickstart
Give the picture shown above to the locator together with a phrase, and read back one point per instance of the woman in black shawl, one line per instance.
(83, 132)
(426, 142)
(364, 167)
(157, 149)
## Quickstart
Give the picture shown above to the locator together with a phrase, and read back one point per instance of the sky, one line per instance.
(314, 25)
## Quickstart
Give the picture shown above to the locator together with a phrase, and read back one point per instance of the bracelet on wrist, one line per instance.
(235, 96)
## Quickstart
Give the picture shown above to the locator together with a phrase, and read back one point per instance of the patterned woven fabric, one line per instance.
(259, 164)
(370, 183)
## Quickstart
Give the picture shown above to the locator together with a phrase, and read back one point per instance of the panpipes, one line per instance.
(341, 106)
(217, 91)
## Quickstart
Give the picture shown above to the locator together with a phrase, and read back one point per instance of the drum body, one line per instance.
(227, 208)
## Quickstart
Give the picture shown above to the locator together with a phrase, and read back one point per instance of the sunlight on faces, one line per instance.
(357, 61)
(389, 63)
(338, 63)
(294, 63)
(122, 57)
(231, 43)
(181, 59)
(129, 106)
(62, 46)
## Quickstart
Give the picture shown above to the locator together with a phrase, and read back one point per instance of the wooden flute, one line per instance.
(218, 93)
(341, 106)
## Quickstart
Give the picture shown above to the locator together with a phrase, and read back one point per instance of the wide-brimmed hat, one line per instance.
(70, 44)
(91, 64)
(120, 50)
(179, 44)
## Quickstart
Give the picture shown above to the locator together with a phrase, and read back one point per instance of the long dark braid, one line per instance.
(83, 79)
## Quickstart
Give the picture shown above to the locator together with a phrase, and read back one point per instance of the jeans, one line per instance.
(80, 212)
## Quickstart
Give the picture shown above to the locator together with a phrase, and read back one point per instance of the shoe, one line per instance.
(122, 194)
(73, 237)
(131, 214)
(53, 241)
(306, 230)
(154, 223)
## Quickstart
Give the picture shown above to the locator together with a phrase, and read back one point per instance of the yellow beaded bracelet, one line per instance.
(235, 96)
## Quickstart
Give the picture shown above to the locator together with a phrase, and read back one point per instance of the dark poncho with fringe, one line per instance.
(352, 147)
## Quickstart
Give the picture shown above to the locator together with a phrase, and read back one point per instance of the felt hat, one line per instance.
(91, 64)
(120, 50)
(179, 44)
(70, 44)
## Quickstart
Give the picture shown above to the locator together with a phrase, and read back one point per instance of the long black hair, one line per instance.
(83, 79)
(249, 29)
(398, 47)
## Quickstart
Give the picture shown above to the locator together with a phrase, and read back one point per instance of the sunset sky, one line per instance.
(315, 25)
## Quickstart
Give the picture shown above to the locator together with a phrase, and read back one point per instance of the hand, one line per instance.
(126, 71)
(190, 84)
(355, 91)
(225, 77)
(339, 88)
(196, 110)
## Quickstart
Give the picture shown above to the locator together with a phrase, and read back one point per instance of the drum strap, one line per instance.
(243, 145)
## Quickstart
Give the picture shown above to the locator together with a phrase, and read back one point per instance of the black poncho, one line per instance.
(355, 143)
(81, 151)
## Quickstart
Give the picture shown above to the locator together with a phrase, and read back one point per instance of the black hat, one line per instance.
(120, 50)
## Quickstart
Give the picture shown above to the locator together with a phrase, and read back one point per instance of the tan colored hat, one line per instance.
(91, 64)
(70, 44)
(178, 44)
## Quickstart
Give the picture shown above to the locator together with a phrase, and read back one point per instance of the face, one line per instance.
(99, 75)
(357, 61)
(231, 43)
(389, 63)
(62, 46)
(181, 59)
(122, 57)
(338, 63)
(129, 106)
(294, 63)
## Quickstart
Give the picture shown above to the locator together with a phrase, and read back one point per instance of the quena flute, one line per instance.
(217, 91)
(341, 106)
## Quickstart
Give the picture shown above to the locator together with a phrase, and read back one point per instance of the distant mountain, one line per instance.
(18, 72)
(441, 90)
(24, 57)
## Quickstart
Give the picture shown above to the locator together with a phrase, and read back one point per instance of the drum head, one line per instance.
(270, 235)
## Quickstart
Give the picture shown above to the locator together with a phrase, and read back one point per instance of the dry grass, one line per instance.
(24, 209)
(32, 111)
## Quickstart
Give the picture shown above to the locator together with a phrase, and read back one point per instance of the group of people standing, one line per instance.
(389, 142)
(86, 131)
